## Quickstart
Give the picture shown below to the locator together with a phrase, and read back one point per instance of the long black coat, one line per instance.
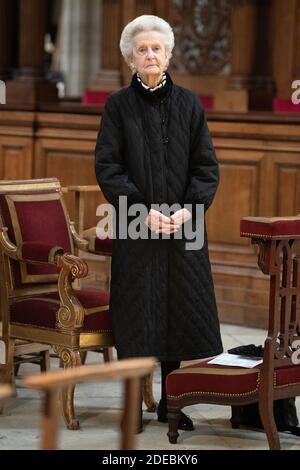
(155, 147)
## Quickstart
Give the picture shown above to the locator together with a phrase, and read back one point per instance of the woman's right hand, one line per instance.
(159, 223)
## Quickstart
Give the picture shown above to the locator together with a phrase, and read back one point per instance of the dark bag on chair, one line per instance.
(285, 415)
(285, 412)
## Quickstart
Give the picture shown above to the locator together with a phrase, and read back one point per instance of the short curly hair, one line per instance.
(145, 23)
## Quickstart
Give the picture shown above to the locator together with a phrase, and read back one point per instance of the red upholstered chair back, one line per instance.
(34, 211)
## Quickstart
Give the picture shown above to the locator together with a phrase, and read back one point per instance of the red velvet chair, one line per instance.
(278, 376)
(39, 303)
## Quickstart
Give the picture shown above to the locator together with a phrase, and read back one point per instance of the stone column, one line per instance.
(77, 55)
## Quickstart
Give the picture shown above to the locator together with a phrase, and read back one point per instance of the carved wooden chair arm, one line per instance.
(71, 313)
(8, 247)
(92, 243)
(29, 252)
(80, 243)
(72, 265)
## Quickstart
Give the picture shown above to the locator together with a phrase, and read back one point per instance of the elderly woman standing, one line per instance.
(154, 147)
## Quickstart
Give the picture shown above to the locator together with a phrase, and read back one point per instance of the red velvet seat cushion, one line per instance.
(287, 375)
(40, 311)
(37, 312)
(202, 378)
(92, 298)
(270, 227)
(212, 379)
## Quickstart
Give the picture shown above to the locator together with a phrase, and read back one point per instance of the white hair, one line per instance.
(145, 23)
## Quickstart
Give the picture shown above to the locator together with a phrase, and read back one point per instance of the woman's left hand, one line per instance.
(181, 216)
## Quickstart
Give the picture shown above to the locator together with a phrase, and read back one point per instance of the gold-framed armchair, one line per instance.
(39, 303)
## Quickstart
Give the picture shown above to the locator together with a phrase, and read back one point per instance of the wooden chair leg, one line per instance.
(147, 393)
(45, 361)
(131, 412)
(50, 421)
(69, 359)
(173, 420)
(108, 354)
(7, 375)
(83, 356)
(267, 418)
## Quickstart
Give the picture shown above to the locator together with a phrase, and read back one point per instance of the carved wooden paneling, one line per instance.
(15, 158)
(236, 195)
(72, 162)
(288, 183)
(16, 144)
(260, 176)
(202, 36)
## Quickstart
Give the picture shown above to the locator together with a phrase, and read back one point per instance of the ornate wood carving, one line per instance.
(71, 313)
(202, 36)
(284, 304)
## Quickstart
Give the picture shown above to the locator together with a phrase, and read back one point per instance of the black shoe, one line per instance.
(185, 422)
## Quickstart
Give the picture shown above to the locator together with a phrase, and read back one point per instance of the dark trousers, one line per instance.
(166, 368)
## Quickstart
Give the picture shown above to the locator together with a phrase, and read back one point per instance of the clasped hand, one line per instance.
(159, 223)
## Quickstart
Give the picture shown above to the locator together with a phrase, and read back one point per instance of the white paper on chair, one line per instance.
(226, 359)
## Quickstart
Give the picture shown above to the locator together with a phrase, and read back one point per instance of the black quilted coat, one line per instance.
(155, 147)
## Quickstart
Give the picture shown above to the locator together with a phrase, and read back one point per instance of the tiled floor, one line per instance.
(98, 409)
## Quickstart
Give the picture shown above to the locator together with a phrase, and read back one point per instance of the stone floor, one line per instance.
(98, 409)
